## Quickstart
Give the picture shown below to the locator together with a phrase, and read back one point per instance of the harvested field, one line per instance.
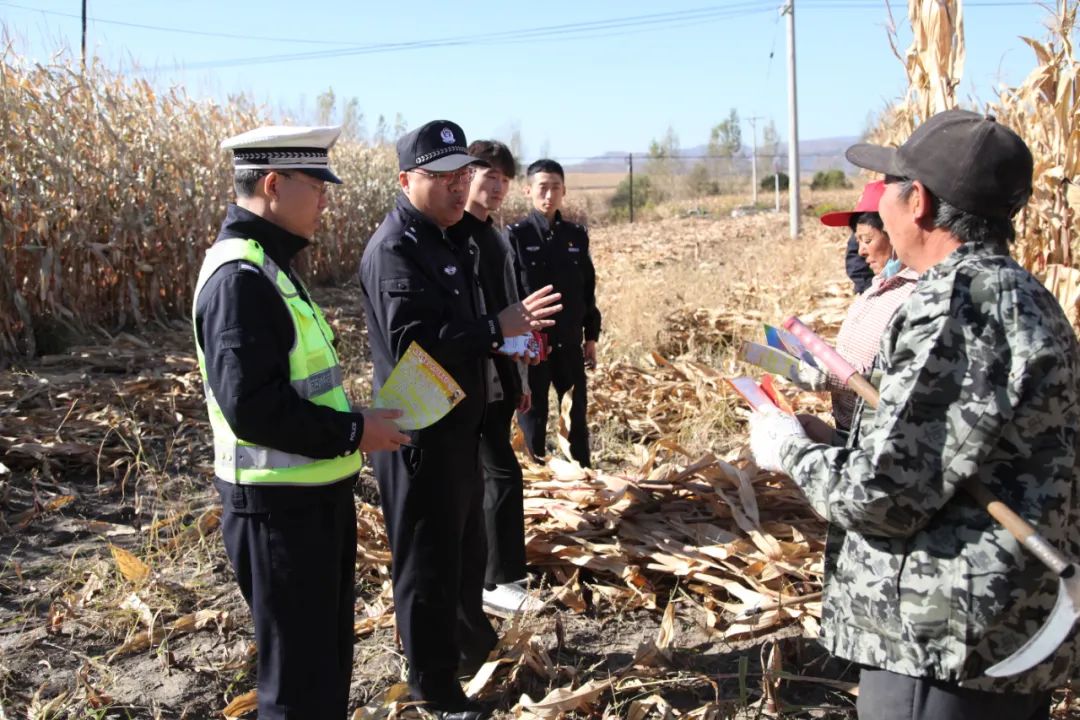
(679, 579)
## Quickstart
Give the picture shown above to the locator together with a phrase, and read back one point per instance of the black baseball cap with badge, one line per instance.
(437, 146)
(968, 160)
(284, 148)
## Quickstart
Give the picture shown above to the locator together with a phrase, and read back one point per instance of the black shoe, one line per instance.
(471, 710)
(473, 658)
(469, 667)
(440, 695)
(460, 714)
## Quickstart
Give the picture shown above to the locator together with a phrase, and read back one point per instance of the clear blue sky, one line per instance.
(576, 92)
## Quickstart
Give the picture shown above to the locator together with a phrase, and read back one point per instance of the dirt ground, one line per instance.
(66, 608)
(117, 601)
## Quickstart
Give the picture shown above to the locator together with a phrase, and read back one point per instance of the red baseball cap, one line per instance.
(868, 202)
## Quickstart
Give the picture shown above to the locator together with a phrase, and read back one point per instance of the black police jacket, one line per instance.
(558, 254)
(246, 333)
(499, 285)
(419, 286)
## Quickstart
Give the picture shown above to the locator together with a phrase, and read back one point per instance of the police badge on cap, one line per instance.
(438, 146)
(278, 147)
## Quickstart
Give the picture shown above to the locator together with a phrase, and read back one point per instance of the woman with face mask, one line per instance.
(872, 311)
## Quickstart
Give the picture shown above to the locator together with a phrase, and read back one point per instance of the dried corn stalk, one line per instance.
(1043, 110)
(935, 60)
(110, 193)
(934, 64)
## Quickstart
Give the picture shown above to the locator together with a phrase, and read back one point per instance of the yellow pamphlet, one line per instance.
(421, 389)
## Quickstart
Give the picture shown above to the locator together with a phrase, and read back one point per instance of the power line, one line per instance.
(611, 27)
(864, 5)
(569, 31)
(690, 14)
(772, 48)
(179, 31)
(621, 157)
(825, 4)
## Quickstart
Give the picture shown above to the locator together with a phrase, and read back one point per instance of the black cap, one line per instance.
(438, 146)
(967, 159)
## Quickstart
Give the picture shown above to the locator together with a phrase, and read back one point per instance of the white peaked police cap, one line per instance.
(281, 147)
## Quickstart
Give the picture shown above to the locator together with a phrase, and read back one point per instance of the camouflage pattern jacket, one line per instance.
(979, 378)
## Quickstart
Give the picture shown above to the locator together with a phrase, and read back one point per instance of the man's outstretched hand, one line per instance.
(530, 314)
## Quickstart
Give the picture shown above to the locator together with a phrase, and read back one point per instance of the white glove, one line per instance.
(809, 377)
(769, 428)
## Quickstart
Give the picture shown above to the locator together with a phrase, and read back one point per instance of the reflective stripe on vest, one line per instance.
(314, 373)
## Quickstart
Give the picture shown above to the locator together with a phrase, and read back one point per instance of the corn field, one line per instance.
(110, 192)
(1044, 110)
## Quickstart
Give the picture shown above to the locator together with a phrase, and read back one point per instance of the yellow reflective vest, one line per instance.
(314, 372)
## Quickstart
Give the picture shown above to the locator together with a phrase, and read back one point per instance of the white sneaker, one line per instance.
(509, 599)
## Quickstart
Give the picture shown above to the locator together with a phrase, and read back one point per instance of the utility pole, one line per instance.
(84, 35)
(776, 181)
(793, 122)
(631, 157)
(753, 154)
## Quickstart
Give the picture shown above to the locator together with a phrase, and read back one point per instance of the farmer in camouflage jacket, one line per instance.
(979, 378)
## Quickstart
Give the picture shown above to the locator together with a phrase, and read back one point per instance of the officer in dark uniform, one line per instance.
(420, 282)
(286, 441)
(552, 251)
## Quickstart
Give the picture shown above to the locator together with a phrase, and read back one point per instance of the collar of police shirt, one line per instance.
(540, 220)
(452, 235)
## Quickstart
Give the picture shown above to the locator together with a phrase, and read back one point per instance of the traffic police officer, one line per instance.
(552, 251)
(421, 284)
(286, 442)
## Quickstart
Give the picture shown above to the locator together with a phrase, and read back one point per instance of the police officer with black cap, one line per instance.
(421, 284)
(286, 441)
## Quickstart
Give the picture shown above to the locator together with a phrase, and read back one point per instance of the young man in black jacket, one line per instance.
(504, 512)
(553, 251)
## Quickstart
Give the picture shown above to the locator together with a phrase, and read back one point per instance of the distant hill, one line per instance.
(815, 155)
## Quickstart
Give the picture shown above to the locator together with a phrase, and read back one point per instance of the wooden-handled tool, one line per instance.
(1067, 607)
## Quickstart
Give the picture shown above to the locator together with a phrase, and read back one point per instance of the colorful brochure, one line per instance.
(421, 389)
(768, 386)
(751, 392)
(770, 359)
(782, 339)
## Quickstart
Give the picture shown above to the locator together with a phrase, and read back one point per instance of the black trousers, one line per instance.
(296, 569)
(504, 511)
(565, 369)
(885, 695)
(432, 500)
